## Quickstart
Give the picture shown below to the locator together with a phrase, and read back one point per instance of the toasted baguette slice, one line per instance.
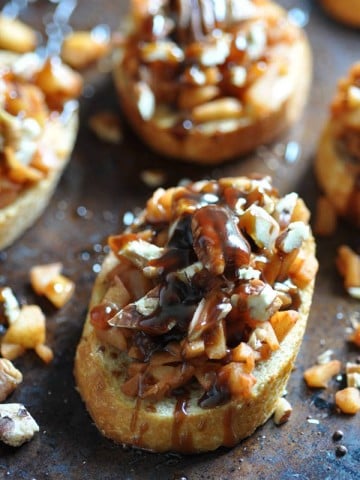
(178, 423)
(58, 137)
(337, 166)
(346, 11)
(267, 106)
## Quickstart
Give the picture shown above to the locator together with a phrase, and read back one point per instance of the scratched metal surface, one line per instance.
(105, 180)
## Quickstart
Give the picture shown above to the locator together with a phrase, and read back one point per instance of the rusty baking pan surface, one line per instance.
(102, 186)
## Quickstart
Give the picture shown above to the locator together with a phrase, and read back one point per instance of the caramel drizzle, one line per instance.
(181, 439)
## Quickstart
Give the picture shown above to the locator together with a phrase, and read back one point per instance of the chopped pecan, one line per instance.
(10, 377)
(218, 242)
(17, 426)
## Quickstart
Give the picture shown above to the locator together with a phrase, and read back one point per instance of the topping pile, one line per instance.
(207, 285)
(345, 111)
(195, 63)
(33, 94)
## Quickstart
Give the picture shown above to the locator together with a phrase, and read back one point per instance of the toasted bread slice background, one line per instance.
(220, 141)
(59, 136)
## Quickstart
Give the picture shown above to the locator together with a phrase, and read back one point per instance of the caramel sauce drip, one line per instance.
(138, 429)
(229, 435)
(181, 440)
(218, 242)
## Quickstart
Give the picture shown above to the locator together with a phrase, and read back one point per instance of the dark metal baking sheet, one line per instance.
(104, 180)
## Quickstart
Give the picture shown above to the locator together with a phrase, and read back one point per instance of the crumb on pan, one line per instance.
(82, 48)
(24, 328)
(17, 426)
(352, 374)
(48, 281)
(153, 178)
(318, 376)
(348, 400)
(282, 411)
(16, 36)
(348, 265)
(325, 357)
(106, 126)
(10, 378)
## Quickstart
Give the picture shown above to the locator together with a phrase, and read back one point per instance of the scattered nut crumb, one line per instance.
(46, 280)
(16, 36)
(106, 126)
(318, 376)
(153, 178)
(17, 426)
(82, 48)
(10, 305)
(26, 332)
(29, 328)
(353, 375)
(282, 412)
(325, 357)
(11, 351)
(314, 421)
(348, 400)
(10, 378)
(348, 264)
(44, 352)
(42, 275)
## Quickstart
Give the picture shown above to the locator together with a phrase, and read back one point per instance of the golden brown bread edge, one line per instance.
(332, 173)
(162, 427)
(218, 147)
(21, 214)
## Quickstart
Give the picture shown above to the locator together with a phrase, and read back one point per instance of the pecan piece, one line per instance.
(218, 242)
(10, 377)
(17, 426)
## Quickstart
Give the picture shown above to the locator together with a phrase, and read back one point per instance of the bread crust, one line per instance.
(215, 147)
(30, 203)
(346, 11)
(335, 178)
(163, 426)
(337, 165)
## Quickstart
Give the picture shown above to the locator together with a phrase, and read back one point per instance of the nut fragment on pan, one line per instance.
(337, 163)
(106, 126)
(10, 378)
(47, 280)
(205, 81)
(197, 316)
(24, 329)
(16, 36)
(82, 48)
(282, 411)
(17, 426)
